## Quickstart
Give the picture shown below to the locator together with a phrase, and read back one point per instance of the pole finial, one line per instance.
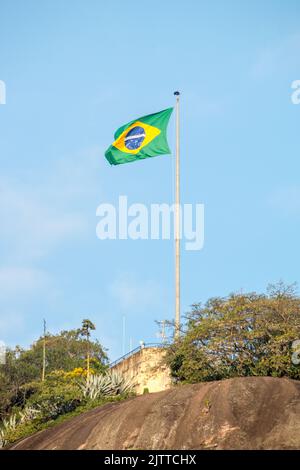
(176, 93)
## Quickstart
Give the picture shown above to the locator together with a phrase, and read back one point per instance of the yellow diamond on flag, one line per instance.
(140, 138)
(135, 137)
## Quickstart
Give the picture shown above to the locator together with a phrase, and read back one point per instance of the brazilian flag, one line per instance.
(142, 138)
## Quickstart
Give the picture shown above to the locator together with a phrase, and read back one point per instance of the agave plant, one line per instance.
(109, 384)
(95, 386)
(28, 414)
(3, 441)
(120, 383)
(8, 424)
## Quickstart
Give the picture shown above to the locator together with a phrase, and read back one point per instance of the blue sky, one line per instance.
(77, 70)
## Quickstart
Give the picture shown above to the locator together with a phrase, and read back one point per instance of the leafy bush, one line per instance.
(28, 404)
(55, 406)
(55, 397)
(60, 396)
(66, 353)
(241, 335)
(9, 425)
(28, 428)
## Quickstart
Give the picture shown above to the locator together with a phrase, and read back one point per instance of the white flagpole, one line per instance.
(123, 334)
(177, 223)
(44, 353)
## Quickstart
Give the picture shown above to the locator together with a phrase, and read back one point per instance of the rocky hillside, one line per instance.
(240, 413)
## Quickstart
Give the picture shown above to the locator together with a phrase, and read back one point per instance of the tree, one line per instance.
(66, 351)
(241, 335)
(87, 326)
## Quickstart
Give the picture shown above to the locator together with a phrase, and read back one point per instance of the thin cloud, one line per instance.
(135, 294)
(30, 226)
(10, 322)
(285, 200)
(278, 58)
(20, 281)
(19, 288)
(39, 213)
(37, 217)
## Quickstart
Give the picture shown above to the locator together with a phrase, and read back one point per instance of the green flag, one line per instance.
(142, 138)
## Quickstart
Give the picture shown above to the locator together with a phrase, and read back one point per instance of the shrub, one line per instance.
(241, 335)
(55, 406)
(56, 397)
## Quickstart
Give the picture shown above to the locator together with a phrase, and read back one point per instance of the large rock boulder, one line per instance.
(240, 413)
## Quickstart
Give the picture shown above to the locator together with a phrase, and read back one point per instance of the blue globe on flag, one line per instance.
(135, 137)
